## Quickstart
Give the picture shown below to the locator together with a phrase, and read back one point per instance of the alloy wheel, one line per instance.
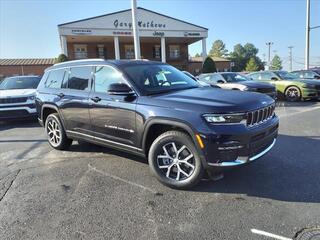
(176, 161)
(292, 94)
(54, 132)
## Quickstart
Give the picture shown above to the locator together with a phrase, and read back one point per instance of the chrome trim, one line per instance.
(104, 140)
(239, 161)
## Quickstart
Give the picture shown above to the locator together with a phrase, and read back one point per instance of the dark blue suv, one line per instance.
(154, 110)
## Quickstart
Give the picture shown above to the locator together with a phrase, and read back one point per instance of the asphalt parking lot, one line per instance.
(90, 192)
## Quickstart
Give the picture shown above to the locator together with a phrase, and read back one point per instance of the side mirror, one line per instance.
(274, 79)
(220, 81)
(120, 89)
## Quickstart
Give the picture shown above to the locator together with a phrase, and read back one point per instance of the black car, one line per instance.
(154, 110)
(307, 74)
(237, 81)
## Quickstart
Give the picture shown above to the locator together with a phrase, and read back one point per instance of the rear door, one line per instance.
(74, 99)
(113, 117)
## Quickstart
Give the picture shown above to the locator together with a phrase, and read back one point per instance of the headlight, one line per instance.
(308, 85)
(32, 98)
(225, 118)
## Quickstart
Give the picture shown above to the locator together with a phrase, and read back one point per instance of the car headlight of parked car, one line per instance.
(32, 97)
(308, 85)
(225, 118)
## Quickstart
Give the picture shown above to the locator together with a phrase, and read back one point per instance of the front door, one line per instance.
(112, 116)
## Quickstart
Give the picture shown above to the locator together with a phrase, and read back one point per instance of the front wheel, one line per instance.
(55, 133)
(174, 160)
(292, 94)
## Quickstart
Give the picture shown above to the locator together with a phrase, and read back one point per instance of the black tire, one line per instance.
(176, 165)
(56, 134)
(292, 94)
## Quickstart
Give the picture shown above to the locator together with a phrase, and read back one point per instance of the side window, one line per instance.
(215, 78)
(79, 78)
(254, 76)
(55, 78)
(267, 76)
(104, 76)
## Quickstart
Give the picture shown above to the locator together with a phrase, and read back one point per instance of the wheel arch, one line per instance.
(166, 124)
(47, 109)
(292, 85)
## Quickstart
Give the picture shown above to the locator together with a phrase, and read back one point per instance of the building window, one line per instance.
(80, 51)
(129, 51)
(174, 51)
(157, 52)
(101, 51)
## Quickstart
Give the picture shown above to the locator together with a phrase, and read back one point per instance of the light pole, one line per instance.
(308, 28)
(290, 58)
(306, 65)
(269, 53)
(136, 39)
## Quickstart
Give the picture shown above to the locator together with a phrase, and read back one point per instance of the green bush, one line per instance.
(61, 58)
(209, 66)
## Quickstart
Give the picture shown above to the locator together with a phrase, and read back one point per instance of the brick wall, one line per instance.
(6, 71)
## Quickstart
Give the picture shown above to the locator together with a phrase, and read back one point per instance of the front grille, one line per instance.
(260, 115)
(13, 100)
(265, 90)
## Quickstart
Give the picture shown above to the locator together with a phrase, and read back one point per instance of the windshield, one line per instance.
(234, 77)
(20, 83)
(285, 75)
(159, 78)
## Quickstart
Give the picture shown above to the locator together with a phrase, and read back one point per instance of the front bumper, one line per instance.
(9, 112)
(239, 145)
(310, 93)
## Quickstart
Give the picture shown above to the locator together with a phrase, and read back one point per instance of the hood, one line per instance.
(17, 93)
(255, 84)
(208, 99)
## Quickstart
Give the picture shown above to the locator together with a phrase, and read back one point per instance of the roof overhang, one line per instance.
(150, 24)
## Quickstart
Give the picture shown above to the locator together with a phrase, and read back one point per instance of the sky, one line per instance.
(28, 28)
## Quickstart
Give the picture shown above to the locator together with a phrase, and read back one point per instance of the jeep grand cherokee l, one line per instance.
(17, 97)
(154, 110)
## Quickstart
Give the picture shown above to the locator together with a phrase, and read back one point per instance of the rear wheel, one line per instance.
(174, 160)
(292, 94)
(55, 133)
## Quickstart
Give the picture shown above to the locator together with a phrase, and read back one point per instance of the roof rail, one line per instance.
(81, 60)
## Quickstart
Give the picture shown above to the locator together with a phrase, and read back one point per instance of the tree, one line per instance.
(252, 65)
(209, 66)
(241, 55)
(276, 63)
(218, 49)
(61, 58)
(197, 55)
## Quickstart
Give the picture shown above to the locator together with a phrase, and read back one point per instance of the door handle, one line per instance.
(96, 99)
(60, 95)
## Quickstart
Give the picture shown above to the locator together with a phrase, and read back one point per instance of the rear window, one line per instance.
(20, 83)
(55, 78)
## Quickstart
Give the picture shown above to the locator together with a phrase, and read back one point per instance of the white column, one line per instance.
(204, 49)
(64, 47)
(135, 29)
(116, 48)
(163, 49)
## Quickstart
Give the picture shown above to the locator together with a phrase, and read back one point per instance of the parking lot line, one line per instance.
(270, 235)
(121, 179)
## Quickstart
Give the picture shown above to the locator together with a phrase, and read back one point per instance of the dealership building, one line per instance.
(110, 36)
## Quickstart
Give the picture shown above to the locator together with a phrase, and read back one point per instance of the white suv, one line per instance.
(17, 97)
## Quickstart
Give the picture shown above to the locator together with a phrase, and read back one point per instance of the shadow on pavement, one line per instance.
(290, 172)
(308, 103)
(29, 123)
